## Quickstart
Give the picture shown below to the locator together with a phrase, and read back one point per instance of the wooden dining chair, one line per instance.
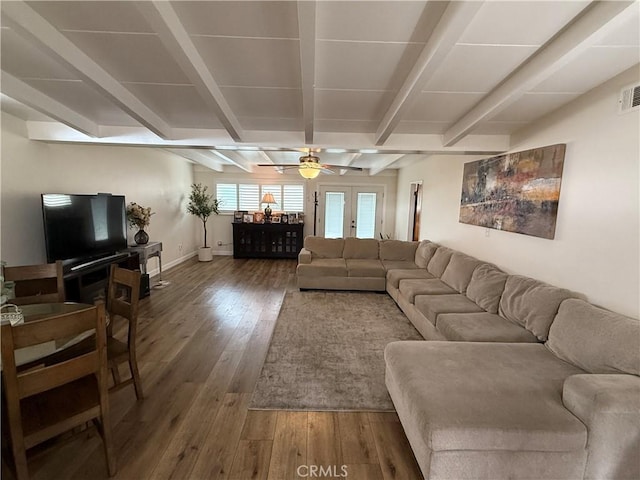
(47, 400)
(37, 283)
(123, 295)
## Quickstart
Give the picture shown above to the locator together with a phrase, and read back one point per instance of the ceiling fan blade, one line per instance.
(281, 165)
(343, 167)
(328, 169)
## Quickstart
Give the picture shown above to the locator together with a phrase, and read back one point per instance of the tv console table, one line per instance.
(89, 283)
(267, 240)
(145, 252)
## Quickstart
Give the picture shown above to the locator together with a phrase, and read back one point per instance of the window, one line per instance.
(293, 198)
(227, 193)
(247, 196)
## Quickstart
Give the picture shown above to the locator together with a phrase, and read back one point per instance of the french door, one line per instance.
(350, 211)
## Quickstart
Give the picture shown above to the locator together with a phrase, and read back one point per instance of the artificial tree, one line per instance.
(203, 205)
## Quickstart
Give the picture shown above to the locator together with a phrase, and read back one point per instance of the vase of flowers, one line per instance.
(139, 217)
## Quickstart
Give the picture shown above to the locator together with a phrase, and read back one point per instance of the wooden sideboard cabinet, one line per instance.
(267, 240)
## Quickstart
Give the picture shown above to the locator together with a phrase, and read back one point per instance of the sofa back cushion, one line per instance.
(360, 248)
(398, 250)
(459, 270)
(594, 339)
(532, 304)
(486, 287)
(322, 247)
(424, 253)
(439, 261)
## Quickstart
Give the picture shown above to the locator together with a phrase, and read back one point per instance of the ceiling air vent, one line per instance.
(629, 99)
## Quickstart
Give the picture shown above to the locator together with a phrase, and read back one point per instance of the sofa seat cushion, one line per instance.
(409, 288)
(433, 305)
(365, 268)
(399, 264)
(482, 327)
(328, 267)
(394, 276)
(484, 396)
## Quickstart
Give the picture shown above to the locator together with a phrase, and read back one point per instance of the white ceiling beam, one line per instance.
(384, 164)
(202, 157)
(307, 30)
(212, 138)
(166, 23)
(450, 27)
(26, 94)
(589, 26)
(236, 159)
(35, 29)
(352, 158)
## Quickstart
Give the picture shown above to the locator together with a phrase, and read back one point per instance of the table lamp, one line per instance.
(268, 199)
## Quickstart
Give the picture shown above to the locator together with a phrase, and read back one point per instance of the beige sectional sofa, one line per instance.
(521, 379)
(351, 263)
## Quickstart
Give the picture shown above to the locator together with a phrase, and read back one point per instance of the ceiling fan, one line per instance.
(310, 166)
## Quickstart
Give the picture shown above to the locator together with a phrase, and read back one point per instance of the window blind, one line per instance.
(247, 196)
(227, 194)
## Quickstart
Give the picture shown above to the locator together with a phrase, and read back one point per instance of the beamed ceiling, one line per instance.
(368, 84)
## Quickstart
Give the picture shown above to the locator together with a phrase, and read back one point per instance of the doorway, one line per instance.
(350, 211)
(415, 211)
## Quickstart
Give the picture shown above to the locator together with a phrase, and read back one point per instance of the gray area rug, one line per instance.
(326, 352)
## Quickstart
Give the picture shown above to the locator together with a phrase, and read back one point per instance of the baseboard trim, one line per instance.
(167, 266)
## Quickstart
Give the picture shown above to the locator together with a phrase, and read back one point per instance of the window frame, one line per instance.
(261, 186)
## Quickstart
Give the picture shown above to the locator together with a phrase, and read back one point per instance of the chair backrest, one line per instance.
(64, 326)
(123, 295)
(44, 378)
(37, 283)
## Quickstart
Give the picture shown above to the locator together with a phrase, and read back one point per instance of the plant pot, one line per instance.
(205, 254)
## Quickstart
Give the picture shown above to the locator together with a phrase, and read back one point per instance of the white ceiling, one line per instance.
(405, 78)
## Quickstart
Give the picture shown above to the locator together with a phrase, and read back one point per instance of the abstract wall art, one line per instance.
(516, 192)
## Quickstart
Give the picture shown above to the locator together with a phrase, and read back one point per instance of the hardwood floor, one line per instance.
(201, 344)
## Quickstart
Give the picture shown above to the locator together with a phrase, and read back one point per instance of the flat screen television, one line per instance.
(83, 227)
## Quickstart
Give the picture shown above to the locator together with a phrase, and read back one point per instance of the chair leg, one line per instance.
(116, 374)
(20, 460)
(133, 367)
(104, 430)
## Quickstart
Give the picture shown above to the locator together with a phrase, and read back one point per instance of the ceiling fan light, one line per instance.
(309, 170)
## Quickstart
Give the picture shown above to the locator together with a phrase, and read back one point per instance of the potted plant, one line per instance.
(202, 205)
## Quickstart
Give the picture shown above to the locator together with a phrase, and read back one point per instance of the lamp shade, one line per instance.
(268, 198)
(309, 170)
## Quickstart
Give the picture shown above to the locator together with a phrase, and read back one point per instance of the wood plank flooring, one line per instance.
(202, 342)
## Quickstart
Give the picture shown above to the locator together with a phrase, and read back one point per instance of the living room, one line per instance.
(595, 250)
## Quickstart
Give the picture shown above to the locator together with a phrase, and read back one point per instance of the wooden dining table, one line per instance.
(41, 311)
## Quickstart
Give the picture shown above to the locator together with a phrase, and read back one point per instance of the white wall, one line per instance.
(150, 177)
(219, 227)
(597, 242)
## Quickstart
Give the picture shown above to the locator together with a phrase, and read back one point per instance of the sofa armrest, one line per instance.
(609, 406)
(304, 256)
